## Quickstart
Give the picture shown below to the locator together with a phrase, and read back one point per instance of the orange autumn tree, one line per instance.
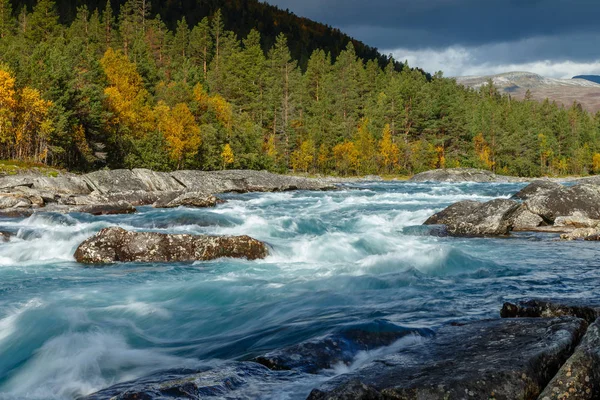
(388, 150)
(25, 125)
(126, 96)
(303, 158)
(227, 156)
(179, 128)
(347, 158)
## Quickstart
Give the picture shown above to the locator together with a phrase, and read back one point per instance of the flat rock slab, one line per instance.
(118, 245)
(506, 359)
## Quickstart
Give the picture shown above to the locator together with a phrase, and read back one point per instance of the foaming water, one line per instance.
(344, 257)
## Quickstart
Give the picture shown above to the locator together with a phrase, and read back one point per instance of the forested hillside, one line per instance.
(123, 90)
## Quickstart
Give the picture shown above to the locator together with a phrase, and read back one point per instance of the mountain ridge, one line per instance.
(562, 91)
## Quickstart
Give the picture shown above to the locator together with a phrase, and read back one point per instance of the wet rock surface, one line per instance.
(5, 236)
(501, 359)
(539, 308)
(241, 380)
(471, 218)
(579, 377)
(118, 245)
(337, 348)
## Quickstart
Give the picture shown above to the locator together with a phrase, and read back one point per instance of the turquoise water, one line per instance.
(338, 259)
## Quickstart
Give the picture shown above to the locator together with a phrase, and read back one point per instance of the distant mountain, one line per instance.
(591, 78)
(563, 91)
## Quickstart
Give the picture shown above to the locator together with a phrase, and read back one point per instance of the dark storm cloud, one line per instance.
(442, 23)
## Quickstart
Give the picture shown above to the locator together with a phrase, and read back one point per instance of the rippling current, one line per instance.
(338, 259)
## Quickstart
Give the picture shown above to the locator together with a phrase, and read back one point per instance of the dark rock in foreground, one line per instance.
(337, 348)
(461, 175)
(118, 245)
(5, 236)
(241, 380)
(471, 218)
(579, 377)
(508, 359)
(548, 309)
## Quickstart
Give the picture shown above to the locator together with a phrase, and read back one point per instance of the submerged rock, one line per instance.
(235, 380)
(338, 348)
(471, 218)
(460, 175)
(579, 377)
(5, 236)
(582, 200)
(502, 359)
(118, 245)
(536, 188)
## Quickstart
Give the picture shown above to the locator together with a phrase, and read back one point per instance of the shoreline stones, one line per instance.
(115, 244)
(462, 175)
(25, 194)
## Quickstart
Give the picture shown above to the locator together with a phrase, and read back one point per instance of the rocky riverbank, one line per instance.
(537, 350)
(119, 191)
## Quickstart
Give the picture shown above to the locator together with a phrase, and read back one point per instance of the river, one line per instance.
(338, 259)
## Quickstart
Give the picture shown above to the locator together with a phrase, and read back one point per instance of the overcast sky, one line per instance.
(555, 38)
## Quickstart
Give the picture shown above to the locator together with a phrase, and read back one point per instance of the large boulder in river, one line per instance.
(472, 218)
(460, 175)
(500, 359)
(535, 188)
(583, 200)
(118, 245)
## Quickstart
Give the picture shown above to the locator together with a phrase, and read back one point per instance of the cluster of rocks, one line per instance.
(462, 175)
(542, 206)
(537, 350)
(120, 191)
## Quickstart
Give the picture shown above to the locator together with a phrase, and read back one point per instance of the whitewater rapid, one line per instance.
(338, 258)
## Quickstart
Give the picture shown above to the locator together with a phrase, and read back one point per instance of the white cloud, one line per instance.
(549, 56)
(461, 61)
